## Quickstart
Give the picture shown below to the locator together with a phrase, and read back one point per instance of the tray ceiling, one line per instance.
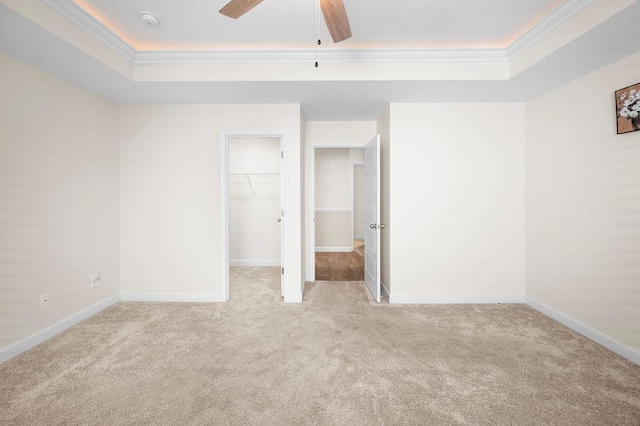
(291, 24)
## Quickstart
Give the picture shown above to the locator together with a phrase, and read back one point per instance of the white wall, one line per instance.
(170, 195)
(357, 155)
(333, 199)
(358, 201)
(357, 189)
(583, 205)
(333, 189)
(333, 232)
(457, 187)
(59, 199)
(333, 134)
(254, 202)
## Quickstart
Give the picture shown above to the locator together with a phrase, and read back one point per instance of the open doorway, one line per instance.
(339, 214)
(254, 216)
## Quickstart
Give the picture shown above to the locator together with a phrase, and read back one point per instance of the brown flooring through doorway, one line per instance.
(341, 266)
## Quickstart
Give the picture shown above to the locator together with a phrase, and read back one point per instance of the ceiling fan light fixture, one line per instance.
(149, 18)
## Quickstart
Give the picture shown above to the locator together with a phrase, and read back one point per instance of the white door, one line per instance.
(281, 218)
(372, 216)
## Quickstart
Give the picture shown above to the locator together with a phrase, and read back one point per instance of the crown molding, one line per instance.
(553, 20)
(87, 22)
(336, 56)
(77, 15)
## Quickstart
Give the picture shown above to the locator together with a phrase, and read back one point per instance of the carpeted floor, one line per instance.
(336, 359)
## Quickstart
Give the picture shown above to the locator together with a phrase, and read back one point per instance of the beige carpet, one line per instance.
(336, 359)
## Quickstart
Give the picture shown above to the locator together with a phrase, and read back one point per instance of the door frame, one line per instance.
(311, 272)
(224, 206)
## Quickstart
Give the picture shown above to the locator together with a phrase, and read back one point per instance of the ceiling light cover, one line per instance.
(149, 19)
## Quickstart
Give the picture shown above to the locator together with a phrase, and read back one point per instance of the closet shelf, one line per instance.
(248, 176)
(254, 174)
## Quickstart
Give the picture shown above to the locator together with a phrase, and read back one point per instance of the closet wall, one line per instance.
(254, 201)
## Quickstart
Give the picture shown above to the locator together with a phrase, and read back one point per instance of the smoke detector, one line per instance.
(149, 18)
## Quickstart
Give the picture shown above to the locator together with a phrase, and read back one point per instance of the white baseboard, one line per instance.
(293, 298)
(443, 300)
(46, 334)
(385, 290)
(262, 263)
(172, 297)
(586, 331)
(334, 249)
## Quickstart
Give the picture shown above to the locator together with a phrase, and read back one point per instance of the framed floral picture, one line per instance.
(628, 109)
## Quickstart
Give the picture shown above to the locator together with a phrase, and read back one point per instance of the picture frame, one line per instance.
(628, 109)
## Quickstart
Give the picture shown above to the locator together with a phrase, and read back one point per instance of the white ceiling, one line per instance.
(322, 100)
(290, 24)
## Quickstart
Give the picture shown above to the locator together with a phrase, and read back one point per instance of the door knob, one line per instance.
(382, 226)
(372, 226)
(279, 219)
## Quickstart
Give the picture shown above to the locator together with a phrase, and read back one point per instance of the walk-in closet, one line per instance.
(255, 212)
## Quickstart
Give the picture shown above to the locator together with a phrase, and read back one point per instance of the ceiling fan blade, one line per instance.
(236, 8)
(335, 15)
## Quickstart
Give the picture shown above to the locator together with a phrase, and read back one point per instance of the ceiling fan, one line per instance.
(335, 15)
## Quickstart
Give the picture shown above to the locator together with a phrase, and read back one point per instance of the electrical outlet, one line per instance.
(44, 300)
(95, 280)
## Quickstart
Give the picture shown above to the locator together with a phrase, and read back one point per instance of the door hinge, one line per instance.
(281, 154)
(282, 271)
